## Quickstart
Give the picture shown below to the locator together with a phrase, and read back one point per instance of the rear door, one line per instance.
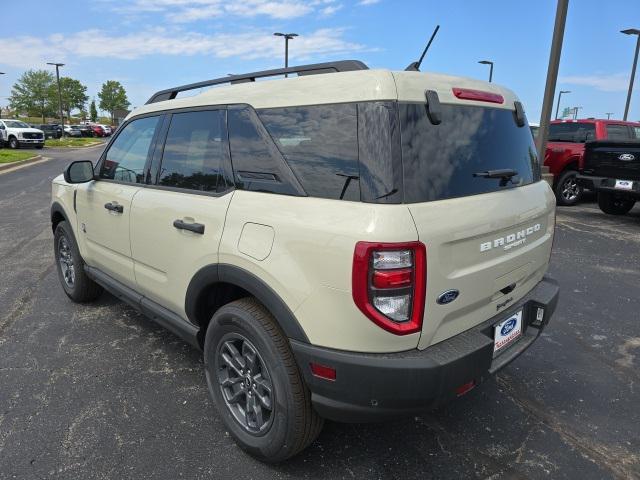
(104, 205)
(177, 223)
(488, 238)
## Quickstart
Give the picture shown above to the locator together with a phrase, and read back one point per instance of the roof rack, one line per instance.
(313, 69)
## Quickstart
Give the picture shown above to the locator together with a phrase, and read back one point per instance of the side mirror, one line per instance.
(79, 172)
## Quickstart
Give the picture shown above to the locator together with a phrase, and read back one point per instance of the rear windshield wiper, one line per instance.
(503, 174)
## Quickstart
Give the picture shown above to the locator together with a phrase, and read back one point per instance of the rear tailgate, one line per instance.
(482, 246)
(612, 159)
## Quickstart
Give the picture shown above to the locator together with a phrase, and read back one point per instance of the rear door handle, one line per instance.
(192, 227)
(114, 207)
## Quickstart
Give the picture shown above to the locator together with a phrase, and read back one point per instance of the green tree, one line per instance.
(73, 95)
(113, 97)
(32, 92)
(93, 112)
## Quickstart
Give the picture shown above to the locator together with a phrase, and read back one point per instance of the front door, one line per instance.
(104, 205)
(176, 225)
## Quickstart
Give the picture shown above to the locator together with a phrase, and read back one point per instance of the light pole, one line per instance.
(490, 63)
(58, 65)
(575, 112)
(1, 73)
(608, 114)
(559, 97)
(287, 37)
(631, 31)
(552, 76)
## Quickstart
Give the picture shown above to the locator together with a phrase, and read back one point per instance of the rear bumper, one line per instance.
(607, 184)
(374, 387)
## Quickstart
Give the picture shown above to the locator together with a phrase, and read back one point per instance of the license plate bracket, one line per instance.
(506, 332)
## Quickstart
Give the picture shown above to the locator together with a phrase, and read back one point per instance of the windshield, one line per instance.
(15, 124)
(455, 158)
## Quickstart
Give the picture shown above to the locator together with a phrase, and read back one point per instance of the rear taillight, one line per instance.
(389, 284)
(477, 95)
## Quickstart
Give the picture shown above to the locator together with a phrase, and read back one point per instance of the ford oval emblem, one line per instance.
(507, 327)
(448, 296)
(627, 157)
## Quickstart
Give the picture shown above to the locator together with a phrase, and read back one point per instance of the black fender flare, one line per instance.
(57, 208)
(226, 273)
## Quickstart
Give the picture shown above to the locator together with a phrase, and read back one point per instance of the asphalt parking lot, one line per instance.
(98, 391)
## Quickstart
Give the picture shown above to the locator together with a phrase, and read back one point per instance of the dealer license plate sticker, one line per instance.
(624, 184)
(507, 332)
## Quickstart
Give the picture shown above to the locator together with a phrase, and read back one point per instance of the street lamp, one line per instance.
(58, 65)
(287, 37)
(608, 114)
(1, 73)
(631, 31)
(559, 97)
(490, 63)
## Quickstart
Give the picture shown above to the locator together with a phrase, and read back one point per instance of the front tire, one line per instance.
(568, 191)
(75, 282)
(255, 383)
(13, 143)
(615, 203)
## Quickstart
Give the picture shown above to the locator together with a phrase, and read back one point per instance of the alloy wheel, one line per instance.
(570, 189)
(65, 259)
(245, 383)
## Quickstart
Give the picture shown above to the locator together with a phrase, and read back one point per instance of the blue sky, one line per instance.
(149, 45)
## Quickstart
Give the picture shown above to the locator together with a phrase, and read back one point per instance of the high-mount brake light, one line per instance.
(477, 95)
(389, 284)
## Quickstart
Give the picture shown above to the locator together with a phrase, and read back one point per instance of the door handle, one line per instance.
(114, 207)
(192, 227)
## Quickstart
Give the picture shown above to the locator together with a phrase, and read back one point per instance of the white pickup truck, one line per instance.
(16, 133)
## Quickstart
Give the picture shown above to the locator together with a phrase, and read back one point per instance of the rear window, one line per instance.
(573, 132)
(440, 160)
(619, 132)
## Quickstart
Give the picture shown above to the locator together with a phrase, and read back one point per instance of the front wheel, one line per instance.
(75, 282)
(13, 143)
(255, 383)
(615, 203)
(568, 191)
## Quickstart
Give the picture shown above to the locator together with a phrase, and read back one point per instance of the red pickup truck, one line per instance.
(565, 150)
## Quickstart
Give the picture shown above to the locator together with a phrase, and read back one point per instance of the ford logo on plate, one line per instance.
(626, 157)
(448, 296)
(507, 327)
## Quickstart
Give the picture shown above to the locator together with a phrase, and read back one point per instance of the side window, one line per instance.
(320, 144)
(636, 132)
(618, 132)
(572, 132)
(257, 164)
(127, 155)
(194, 152)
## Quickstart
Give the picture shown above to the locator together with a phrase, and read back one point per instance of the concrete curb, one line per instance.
(77, 148)
(7, 166)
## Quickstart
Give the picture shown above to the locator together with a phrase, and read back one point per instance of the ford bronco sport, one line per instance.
(348, 244)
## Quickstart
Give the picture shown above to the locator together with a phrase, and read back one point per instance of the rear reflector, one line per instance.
(477, 95)
(462, 389)
(322, 371)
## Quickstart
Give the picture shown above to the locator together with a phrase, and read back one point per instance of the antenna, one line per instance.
(415, 66)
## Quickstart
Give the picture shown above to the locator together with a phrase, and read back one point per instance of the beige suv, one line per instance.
(345, 243)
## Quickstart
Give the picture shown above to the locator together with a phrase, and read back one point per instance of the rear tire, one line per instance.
(615, 203)
(568, 191)
(74, 280)
(291, 424)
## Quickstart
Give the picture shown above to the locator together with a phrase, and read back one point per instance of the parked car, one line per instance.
(565, 150)
(86, 130)
(612, 169)
(16, 134)
(98, 131)
(348, 244)
(72, 131)
(51, 130)
(107, 130)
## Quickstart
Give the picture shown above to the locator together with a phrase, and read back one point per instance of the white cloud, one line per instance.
(368, 2)
(617, 82)
(36, 51)
(184, 11)
(331, 9)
